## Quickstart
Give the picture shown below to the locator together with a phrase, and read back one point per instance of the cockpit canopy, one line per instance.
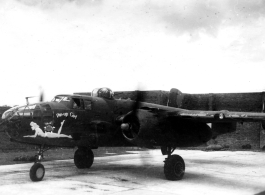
(60, 98)
(103, 92)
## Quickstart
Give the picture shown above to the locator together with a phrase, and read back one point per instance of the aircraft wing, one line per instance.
(180, 127)
(208, 116)
(217, 116)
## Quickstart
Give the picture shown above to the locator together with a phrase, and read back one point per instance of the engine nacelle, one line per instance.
(138, 128)
(146, 128)
(222, 128)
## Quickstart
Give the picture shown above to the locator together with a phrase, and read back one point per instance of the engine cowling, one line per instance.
(148, 129)
(138, 128)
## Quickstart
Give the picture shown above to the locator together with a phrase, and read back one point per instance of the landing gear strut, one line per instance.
(37, 171)
(174, 167)
(83, 158)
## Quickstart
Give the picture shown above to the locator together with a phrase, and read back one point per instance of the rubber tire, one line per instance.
(37, 172)
(174, 167)
(83, 158)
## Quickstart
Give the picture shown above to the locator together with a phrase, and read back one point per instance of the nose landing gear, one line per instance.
(37, 171)
(83, 158)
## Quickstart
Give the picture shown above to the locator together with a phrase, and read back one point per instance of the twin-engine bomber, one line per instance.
(89, 122)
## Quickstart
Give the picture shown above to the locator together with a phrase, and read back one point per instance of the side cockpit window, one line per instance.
(78, 103)
(82, 104)
(88, 104)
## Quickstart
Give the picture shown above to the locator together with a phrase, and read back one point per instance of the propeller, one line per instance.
(41, 97)
(138, 99)
(130, 125)
(27, 99)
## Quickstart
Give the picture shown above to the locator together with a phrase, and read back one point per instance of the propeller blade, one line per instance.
(138, 99)
(27, 99)
(41, 96)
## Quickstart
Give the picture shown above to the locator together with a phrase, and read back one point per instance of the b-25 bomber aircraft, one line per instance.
(89, 122)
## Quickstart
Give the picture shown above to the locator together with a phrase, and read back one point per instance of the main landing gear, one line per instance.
(174, 167)
(83, 158)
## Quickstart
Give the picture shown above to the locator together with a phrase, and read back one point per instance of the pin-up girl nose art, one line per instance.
(39, 132)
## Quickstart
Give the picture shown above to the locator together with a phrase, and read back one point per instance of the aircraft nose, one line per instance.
(2, 125)
(7, 114)
(12, 127)
(8, 120)
(17, 121)
(11, 122)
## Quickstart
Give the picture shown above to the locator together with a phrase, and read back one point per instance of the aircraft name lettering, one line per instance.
(61, 114)
(66, 115)
(73, 115)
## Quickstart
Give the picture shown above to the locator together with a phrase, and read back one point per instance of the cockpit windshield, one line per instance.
(59, 98)
(103, 92)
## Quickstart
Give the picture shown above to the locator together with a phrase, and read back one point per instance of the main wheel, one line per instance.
(83, 158)
(37, 172)
(174, 167)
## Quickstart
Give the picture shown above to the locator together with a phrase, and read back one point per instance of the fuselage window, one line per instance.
(47, 112)
(20, 111)
(88, 104)
(27, 112)
(46, 107)
(78, 103)
(37, 113)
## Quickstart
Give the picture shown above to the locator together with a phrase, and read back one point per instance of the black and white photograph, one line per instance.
(132, 97)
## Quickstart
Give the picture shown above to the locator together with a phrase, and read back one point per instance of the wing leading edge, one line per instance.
(205, 116)
(217, 116)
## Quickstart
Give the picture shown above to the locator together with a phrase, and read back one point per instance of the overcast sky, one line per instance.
(65, 46)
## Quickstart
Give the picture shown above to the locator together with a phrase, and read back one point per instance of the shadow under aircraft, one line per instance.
(100, 120)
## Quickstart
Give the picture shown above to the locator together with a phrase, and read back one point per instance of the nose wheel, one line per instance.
(37, 171)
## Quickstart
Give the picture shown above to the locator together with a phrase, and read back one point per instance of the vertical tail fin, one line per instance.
(175, 98)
